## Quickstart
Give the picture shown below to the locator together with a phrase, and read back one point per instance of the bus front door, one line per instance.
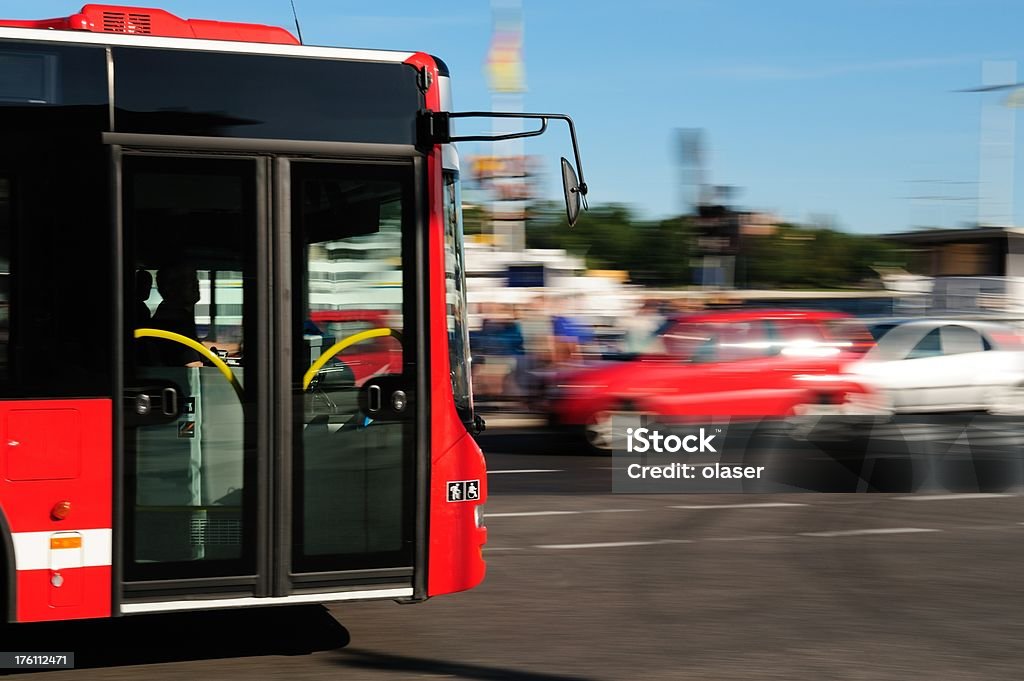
(354, 374)
(194, 426)
(270, 365)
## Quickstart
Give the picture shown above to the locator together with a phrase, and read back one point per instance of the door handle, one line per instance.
(158, 403)
(170, 402)
(373, 399)
(387, 398)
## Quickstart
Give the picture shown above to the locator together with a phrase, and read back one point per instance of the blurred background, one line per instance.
(804, 220)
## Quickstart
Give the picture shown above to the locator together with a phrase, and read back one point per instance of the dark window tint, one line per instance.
(56, 284)
(56, 295)
(55, 281)
(55, 90)
(28, 78)
(929, 346)
(267, 97)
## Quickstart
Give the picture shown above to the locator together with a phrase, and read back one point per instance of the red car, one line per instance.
(368, 358)
(749, 364)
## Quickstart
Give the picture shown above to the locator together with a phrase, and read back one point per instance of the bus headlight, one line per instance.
(478, 515)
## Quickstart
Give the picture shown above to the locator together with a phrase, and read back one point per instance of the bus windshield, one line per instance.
(455, 297)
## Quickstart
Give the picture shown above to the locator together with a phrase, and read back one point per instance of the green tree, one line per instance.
(611, 237)
(802, 257)
(658, 253)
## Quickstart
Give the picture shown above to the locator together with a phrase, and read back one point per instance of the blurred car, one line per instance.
(947, 365)
(747, 364)
(365, 359)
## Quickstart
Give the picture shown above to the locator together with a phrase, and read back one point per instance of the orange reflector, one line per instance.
(60, 510)
(65, 542)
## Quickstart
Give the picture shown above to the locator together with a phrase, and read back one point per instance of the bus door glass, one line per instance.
(190, 238)
(354, 376)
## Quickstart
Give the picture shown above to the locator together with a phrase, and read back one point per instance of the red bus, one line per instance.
(180, 202)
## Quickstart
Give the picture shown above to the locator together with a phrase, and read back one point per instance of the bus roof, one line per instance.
(144, 27)
(156, 22)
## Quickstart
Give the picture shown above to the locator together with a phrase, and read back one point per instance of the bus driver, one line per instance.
(178, 285)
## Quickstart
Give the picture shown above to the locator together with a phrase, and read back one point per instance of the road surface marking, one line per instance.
(525, 514)
(753, 537)
(770, 504)
(528, 470)
(879, 530)
(951, 497)
(613, 544)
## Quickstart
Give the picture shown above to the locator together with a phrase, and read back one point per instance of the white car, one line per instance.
(937, 365)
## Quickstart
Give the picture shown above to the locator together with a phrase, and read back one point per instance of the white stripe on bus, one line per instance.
(32, 549)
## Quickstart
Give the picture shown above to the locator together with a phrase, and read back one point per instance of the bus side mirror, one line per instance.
(571, 187)
(435, 128)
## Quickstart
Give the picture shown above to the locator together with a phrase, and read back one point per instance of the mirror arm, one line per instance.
(440, 128)
(498, 138)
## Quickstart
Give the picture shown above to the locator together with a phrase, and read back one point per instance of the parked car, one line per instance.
(748, 364)
(947, 365)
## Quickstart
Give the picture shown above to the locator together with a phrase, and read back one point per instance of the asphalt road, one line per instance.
(586, 584)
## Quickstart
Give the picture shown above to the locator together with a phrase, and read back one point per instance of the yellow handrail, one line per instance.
(341, 345)
(198, 347)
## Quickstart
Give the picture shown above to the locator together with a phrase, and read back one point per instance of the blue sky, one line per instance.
(838, 111)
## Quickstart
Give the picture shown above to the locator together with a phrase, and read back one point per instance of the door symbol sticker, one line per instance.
(187, 429)
(463, 490)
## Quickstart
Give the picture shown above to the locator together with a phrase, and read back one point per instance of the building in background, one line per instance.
(975, 270)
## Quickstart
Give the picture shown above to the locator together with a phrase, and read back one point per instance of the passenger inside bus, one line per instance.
(178, 285)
